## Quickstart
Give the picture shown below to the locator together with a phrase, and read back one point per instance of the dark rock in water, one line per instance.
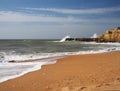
(82, 39)
(2, 57)
(113, 49)
(69, 39)
(86, 39)
(12, 61)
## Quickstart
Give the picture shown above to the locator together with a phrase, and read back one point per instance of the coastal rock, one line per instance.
(82, 39)
(110, 35)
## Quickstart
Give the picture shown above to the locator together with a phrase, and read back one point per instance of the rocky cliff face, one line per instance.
(110, 36)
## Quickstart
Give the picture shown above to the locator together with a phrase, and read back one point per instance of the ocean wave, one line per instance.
(6, 57)
(109, 43)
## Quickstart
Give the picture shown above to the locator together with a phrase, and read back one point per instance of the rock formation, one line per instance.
(110, 35)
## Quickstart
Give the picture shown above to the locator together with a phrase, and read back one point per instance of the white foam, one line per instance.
(17, 57)
(64, 39)
(109, 43)
(14, 70)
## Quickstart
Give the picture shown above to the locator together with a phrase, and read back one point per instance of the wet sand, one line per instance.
(91, 72)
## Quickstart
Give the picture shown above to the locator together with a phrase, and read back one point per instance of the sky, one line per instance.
(54, 19)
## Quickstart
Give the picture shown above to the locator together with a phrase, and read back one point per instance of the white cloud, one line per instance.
(9, 16)
(78, 11)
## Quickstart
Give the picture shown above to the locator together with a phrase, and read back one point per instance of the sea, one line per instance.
(18, 57)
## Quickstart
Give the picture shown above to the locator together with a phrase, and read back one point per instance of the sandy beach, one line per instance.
(90, 72)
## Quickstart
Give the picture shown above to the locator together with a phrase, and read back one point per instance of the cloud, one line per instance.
(78, 11)
(10, 16)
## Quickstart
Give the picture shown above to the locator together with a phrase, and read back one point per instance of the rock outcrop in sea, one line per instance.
(110, 35)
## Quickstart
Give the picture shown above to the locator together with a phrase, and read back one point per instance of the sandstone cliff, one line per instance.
(110, 35)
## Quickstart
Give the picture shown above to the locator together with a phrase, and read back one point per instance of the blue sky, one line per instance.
(44, 19)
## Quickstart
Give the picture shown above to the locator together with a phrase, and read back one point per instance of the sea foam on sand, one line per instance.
(14, 70)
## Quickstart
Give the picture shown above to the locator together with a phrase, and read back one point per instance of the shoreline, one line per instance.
(89, 72)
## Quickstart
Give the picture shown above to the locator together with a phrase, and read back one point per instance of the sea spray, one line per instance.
(64, 39)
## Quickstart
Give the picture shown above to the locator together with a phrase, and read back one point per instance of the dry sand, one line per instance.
(91, 72)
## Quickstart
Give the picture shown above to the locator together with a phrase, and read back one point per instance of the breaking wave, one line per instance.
(63, 39)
